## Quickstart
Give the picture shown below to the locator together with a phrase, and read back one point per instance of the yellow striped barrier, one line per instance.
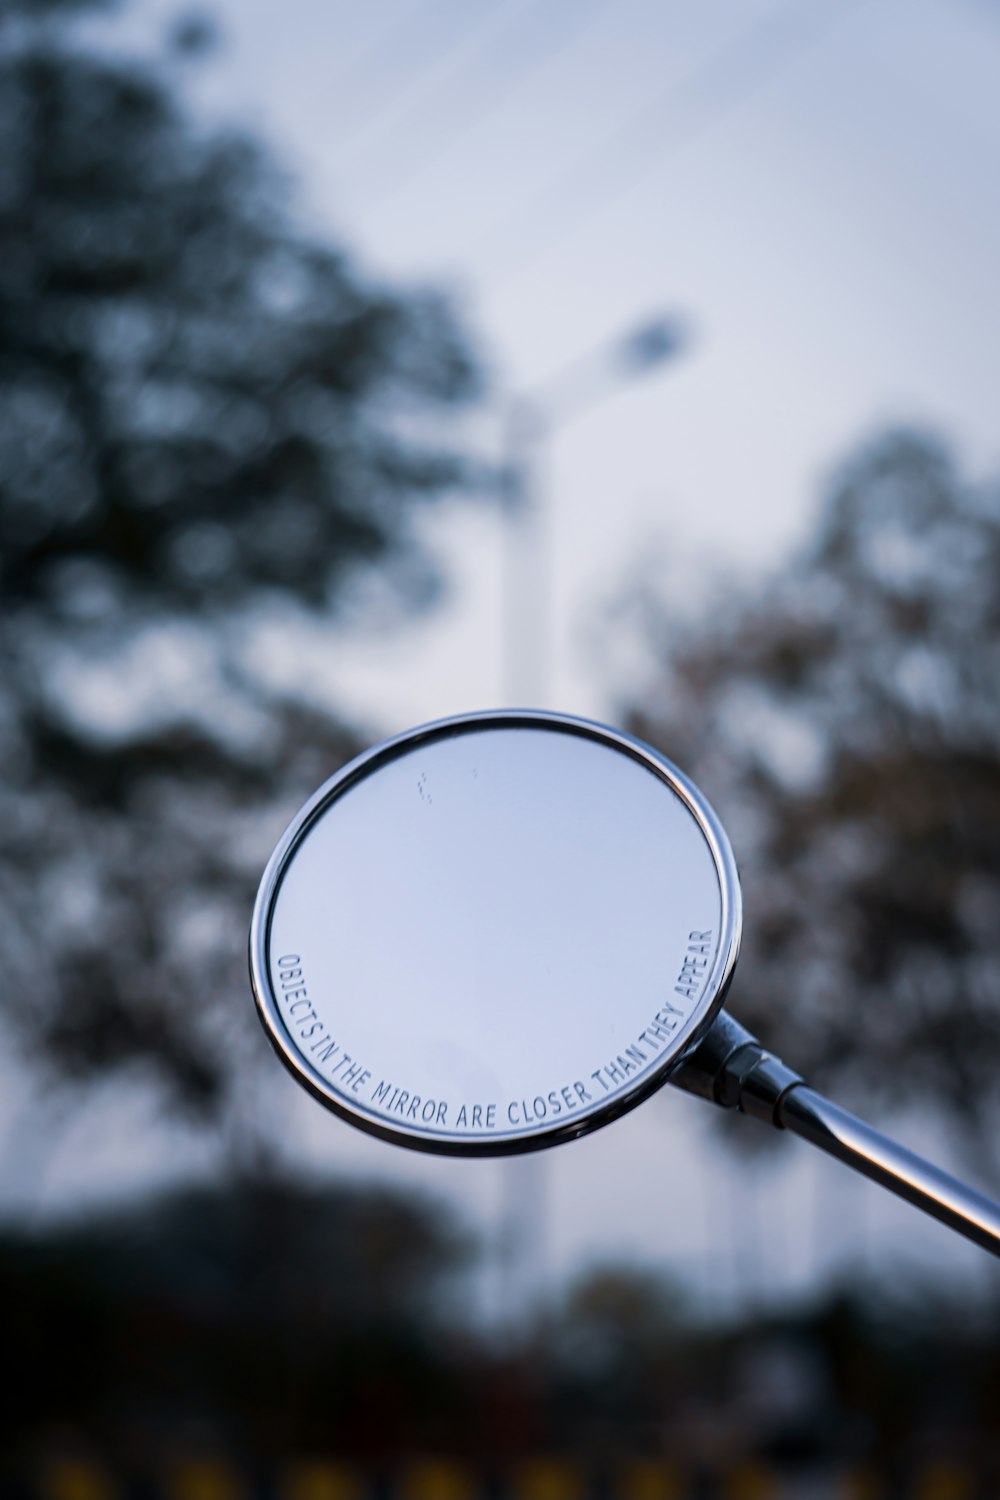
(76, 1479)
(547, 1479)
(321, 1479)
(204, 1479)
(438, 1479)
(650, 1479)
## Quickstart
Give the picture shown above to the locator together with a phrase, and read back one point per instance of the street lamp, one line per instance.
(531, 421)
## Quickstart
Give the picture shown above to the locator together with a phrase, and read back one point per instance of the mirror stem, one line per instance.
(731, 1068)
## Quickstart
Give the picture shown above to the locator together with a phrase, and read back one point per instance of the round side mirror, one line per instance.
(495, 933)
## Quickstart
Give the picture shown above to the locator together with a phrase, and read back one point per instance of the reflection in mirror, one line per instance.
(495, 933)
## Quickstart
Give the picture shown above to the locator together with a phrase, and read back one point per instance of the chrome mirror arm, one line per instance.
(731, 1068)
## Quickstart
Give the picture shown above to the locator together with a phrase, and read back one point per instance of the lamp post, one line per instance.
(532, 419)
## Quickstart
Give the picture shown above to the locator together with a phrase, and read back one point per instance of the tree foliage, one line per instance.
(209, 422)
(294, 1332)
(845, 722)
(285, 1317)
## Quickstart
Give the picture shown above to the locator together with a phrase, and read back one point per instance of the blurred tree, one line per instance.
(209, 424)
(846, 724)
(286, 1317)
(268, 1320)
(614, 1320)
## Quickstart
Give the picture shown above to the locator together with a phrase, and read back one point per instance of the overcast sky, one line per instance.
(812, 185)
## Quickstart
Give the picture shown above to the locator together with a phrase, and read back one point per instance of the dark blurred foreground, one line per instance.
(265, 1337)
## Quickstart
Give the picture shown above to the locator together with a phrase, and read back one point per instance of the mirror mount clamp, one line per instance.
(729, 1067)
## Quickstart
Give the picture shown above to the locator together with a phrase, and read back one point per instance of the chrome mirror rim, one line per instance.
(366, 764)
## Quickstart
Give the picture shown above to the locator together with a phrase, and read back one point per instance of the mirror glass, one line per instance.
(495, 933)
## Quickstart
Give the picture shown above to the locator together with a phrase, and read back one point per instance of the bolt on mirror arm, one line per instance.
(730, 1068)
